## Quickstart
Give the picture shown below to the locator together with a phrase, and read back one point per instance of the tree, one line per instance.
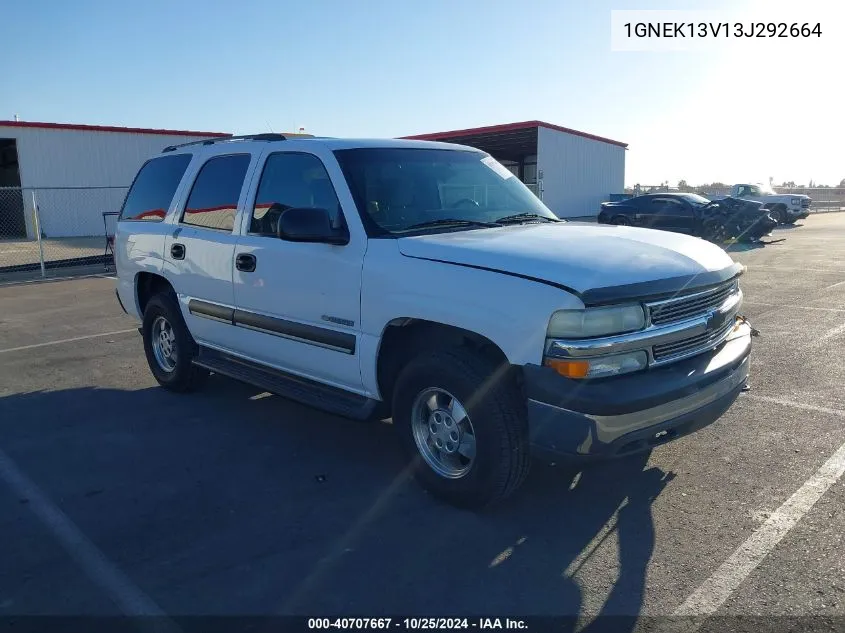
(842, 183)
(683, 186)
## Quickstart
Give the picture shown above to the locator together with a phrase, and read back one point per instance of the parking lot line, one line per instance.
(65, 340)
(716, 590)
(21, 282)
(798, 405)
(795, 307)
(126, 595)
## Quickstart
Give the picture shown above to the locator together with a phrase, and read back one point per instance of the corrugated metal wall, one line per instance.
(50, 157)
(578, 173)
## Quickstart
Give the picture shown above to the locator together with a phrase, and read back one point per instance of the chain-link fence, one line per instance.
(823, 198)
(50, 229)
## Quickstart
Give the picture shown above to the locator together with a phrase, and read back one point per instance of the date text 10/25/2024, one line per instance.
(418, 624)
(721, 29)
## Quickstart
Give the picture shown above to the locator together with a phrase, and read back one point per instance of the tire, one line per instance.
(175, 371)
(714, 231)
(620, 220)
(778, 213)
(497, 425)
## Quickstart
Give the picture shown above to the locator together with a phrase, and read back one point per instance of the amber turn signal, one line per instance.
(569, 368)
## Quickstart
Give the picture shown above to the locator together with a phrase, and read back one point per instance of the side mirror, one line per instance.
(310, 225)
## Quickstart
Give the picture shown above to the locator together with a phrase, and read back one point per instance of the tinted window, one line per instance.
(153, 189)
(291, 180)
(695, 199)
(213, 202)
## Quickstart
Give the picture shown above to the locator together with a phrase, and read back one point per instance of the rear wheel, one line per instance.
(620, 220)
(169, 347)
(463, 425)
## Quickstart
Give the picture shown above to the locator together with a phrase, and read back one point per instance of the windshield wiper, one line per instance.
(453, 222)
(520, 217)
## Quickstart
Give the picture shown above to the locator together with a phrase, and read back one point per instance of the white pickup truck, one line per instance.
(423, 282)
(783, 208)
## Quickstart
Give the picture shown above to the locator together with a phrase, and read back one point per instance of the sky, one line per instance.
(373, 68)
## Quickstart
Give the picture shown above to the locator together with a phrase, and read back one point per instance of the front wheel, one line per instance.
(778, 214)
(463, 425)
(168, 345)
(714, 231)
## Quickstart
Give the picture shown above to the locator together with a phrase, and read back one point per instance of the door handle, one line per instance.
(245, 262)
(177, 251)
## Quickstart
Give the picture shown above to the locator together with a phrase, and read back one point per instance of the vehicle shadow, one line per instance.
(742, 247)
(235, 502)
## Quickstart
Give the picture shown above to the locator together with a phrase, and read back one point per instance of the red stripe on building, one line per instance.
(510, 127)
(109, 128)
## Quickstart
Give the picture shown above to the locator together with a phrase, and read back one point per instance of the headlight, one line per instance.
(796, 202)
(600, 366)
(596, 321)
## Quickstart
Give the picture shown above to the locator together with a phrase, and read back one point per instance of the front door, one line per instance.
(298, 303)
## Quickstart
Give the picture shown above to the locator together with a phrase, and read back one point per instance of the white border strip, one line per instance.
(66, 340)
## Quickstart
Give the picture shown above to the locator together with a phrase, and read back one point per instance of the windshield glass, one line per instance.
(766, 189)
(398, 190)
(694, 198)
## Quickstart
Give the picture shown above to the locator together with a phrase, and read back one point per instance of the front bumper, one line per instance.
(627, 414)
(799, 214)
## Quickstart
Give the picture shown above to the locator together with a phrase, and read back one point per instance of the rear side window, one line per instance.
(213, 202)
(152, 192)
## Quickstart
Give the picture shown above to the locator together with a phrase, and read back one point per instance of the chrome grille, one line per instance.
(692, 345)
(690, 306)
(805, 203)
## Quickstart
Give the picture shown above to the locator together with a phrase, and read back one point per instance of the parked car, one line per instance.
(365, 278)
(785, 208)
(714, 220)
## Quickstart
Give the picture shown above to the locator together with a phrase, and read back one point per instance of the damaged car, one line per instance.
(714, 220)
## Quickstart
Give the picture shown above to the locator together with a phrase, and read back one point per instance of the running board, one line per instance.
(308, 392)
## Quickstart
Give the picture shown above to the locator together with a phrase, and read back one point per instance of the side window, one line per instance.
(152, 192)
(291, 180)
(213, 202)
(754, 191)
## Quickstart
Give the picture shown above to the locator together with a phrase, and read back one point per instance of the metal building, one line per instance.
(76, 171)
(572, 172)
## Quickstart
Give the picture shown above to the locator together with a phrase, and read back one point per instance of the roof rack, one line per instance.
(246, 137)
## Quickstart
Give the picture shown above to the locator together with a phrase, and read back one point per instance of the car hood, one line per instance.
(785, 196)
(600, 263)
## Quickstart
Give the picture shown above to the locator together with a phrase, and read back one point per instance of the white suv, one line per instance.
(424, 282)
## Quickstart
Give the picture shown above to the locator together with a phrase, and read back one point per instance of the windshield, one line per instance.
(694, 198)
(766, 189)
(399, 190)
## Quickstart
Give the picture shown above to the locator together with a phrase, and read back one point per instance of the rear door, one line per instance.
(678, 216)
(199, 251)
(669, 214)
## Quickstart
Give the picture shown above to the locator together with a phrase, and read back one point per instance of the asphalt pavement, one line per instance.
(119, 497)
